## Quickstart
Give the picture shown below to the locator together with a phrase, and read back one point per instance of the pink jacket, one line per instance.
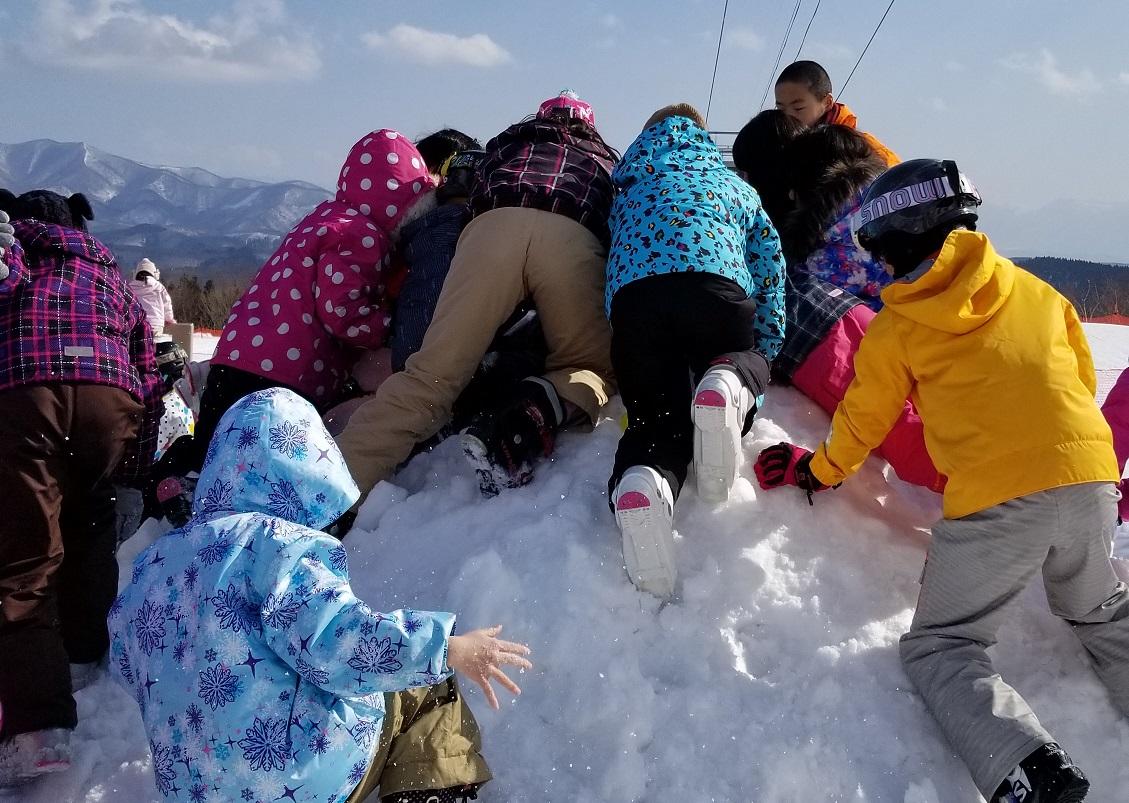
(1116, 412)
(156, 302)
(321, 296)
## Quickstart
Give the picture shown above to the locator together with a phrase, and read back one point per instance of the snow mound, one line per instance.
(773, 675)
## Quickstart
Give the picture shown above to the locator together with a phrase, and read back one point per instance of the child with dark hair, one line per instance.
(539, 230)
(820, 176)
(803, 91)
(427, 246)
(828, 169)
(695, 299)
(81, 397)
(759, 157)
(271, 671)
(437, 148)
(997, 362)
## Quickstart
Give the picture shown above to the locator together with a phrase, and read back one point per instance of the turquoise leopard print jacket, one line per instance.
(680, 209)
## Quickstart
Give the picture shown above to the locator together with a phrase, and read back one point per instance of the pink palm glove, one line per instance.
(786, 464)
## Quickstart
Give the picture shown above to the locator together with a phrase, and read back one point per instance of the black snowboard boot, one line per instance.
(1046, 776)
(503, 442)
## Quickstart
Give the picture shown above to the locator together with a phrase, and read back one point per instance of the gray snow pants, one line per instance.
(976, 569)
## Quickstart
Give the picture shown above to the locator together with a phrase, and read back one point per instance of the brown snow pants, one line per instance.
(503, 257)
(429, 740)
(59, 445)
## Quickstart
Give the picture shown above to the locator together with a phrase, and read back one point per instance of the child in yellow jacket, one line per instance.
(997, 364)
(803, 92)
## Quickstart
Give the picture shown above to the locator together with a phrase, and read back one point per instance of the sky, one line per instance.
(1031, 100)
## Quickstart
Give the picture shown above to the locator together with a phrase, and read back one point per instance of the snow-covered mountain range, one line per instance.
(180, 216)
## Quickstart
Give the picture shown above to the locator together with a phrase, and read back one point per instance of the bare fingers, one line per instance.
(504, 680)
(484, 683)
(513, 659)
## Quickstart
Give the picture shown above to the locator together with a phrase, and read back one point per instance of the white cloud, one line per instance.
(954, 66)
(434, 47)
(745, 38)
(1056, 80)
(1123, 78)
(255, 42)
(610, 21)
(938, 104)
(824, 51)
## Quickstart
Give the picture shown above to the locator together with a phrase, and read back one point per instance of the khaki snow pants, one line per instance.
(503, 257)
(429, 740)
(976, 569)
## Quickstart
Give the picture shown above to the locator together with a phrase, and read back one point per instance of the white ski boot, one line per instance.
(721, 402)
(644, 511)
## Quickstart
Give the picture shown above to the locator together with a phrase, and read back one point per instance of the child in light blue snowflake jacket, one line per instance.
(257, 670)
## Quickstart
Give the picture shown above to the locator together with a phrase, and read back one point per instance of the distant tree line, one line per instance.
(206, 304)
(1094, 288)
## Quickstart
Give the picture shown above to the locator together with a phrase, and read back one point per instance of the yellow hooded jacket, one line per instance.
(998, 366)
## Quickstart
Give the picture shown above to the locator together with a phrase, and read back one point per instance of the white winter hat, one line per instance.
(147, 264)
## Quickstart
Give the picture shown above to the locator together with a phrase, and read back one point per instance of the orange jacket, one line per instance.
(841, 114)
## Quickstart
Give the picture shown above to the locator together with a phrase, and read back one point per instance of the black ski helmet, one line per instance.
(914, 198)
(171, 360)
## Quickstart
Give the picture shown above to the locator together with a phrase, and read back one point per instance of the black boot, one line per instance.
(503, 442)
(174, 497)
(1046, 776)
(457, 794)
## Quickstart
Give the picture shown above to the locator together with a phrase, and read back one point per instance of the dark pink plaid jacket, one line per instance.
(544, 165)
(67, 315)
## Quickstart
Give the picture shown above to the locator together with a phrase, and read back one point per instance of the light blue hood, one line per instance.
(257, 670)
(271, 455)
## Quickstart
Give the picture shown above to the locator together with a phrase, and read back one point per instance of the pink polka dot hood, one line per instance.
(383, 176)
(321, 296)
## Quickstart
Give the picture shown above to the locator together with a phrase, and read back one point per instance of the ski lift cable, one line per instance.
(863, 53)
(783, 44)
(805, 36)
(717, 57)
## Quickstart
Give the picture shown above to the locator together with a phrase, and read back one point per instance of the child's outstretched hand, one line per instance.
(480, 655)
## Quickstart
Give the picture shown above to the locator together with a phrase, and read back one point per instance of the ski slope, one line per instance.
(773, 676)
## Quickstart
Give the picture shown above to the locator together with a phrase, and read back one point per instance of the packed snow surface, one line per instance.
(772, 676)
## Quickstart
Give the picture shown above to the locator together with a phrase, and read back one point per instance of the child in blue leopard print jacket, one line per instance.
(695, 294)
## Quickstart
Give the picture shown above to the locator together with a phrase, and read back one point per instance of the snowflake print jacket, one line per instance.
(259, 674)
(321, 296)
(680, 209)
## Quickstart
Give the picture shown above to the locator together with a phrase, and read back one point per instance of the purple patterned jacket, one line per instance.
(67, 315)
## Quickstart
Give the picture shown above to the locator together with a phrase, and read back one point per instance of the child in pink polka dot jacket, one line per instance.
(321, 297)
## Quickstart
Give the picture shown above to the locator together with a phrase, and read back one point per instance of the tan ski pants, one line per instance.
(503, 257)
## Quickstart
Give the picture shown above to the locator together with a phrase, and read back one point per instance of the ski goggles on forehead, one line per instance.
(464, 160)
